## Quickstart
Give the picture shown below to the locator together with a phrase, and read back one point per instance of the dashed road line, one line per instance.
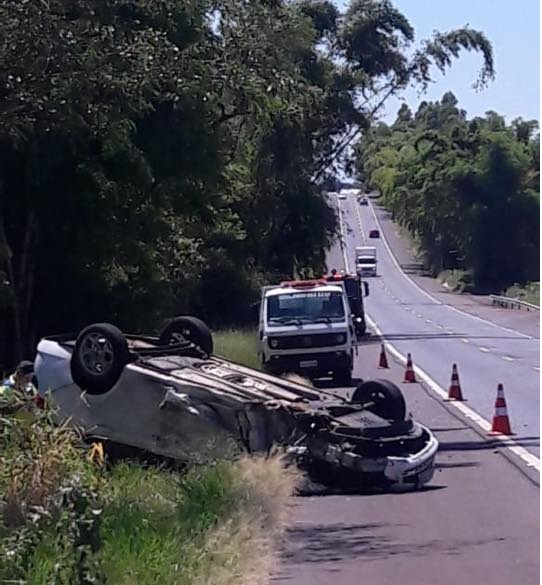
(464, 340)
(528, 458)
(426, 294)
(508, 358)
(484, 349)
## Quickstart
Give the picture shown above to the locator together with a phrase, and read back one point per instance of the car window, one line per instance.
(306, 306)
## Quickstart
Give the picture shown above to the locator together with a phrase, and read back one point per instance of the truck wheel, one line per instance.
(192, 329)
(343, 377)
(98, 359)
(389, 402)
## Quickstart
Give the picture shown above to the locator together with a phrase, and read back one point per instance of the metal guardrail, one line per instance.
(513, 303)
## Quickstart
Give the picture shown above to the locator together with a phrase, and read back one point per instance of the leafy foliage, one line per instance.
(67, 520)
(468, 190)
(169, 157)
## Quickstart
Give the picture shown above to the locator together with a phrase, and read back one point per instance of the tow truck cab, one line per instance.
(355, 289)
(305, 326)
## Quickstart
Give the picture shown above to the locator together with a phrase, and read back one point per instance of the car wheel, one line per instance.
(190, 329)
(361, 329)
(343, 376)
(388, 400)
(98, 359)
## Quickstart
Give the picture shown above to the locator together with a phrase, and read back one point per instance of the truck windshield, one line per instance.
(305, 306)
(370, 260)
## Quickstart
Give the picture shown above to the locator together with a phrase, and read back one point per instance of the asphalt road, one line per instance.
(478, 519)
(437, 335)
(476, 522)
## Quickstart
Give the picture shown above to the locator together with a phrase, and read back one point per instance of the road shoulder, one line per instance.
(527, 322)
(477, 521)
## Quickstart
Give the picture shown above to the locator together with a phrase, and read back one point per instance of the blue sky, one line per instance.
(513, 27)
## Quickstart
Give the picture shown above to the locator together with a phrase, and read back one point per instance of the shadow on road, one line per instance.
(312, 490)
(487, 444)
(449, 429)
(432, 336)
(456, 464)
(324, 543)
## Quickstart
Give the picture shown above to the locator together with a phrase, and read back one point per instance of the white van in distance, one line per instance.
(305, 327)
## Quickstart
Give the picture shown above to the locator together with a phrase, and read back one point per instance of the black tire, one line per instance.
(191, 329)
(361, 329)
(343, 376)
(388, 398)
(99, 357)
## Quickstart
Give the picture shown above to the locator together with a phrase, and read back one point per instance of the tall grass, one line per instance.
(70, 521)
(529, 293)
(457, 280)
(238, 346)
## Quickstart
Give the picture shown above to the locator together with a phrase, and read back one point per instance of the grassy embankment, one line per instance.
(461, 281)
(457, 280)
(238, 346)
(69, 520)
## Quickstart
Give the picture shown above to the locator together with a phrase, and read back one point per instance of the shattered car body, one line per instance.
(169, 396)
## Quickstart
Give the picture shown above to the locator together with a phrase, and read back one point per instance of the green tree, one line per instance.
(158, 157)
(465, 189)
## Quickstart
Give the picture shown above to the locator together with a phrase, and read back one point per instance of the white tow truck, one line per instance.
(366, 260)
(305, 326)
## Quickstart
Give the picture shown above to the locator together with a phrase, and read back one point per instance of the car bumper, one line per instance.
(310, 364)
(367, 272)
(410, 471)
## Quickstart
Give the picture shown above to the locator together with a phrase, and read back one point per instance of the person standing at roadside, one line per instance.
(18, 389)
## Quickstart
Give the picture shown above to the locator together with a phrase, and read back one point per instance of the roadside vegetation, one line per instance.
(163, 158)
(457, 280)
(70, 519)
(529, 293)
(238, 345)
(467, 190)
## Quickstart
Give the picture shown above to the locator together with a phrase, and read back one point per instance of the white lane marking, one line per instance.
(530, 459)
(484, 349)
(429, 321)
(416, 285)
(465, 340)
(439, 326)
(343, 243)
(508, 358)
(358, 213)
(536, 368)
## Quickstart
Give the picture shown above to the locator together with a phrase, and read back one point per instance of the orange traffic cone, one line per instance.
(410, 376)
(501, 423)
(383, 361)
(454, 393)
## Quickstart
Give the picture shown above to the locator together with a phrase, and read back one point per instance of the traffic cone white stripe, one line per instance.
(410, 376)
(501, 423)
(454, 391)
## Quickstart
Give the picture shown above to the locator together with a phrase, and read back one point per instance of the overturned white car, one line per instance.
(169, 396)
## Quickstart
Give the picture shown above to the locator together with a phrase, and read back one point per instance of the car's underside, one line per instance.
(168, 396)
